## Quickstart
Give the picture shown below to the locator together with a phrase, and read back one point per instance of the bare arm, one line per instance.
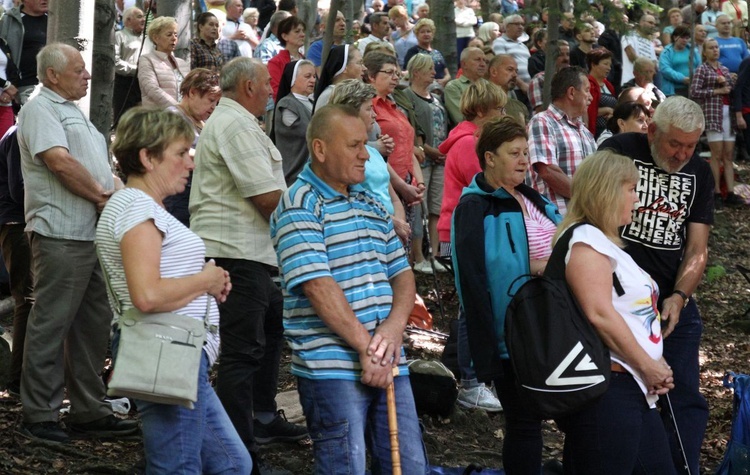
(630, 52)
(149, 292)
(74, 176)
(266, 202)
(555, 178)
(589, 275)
(330, 304)
(688, 275)
(385, 346)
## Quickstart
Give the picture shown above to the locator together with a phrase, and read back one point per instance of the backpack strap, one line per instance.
(556, 264)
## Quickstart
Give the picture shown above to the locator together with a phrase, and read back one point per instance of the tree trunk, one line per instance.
(444, 17)
(336, 5)
(182, 12)
(72, 23)
(358, 13)
(485, 6)
(103, 69)
(308, 12)
(553, 33)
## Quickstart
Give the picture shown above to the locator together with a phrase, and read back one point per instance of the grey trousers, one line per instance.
(67, 333)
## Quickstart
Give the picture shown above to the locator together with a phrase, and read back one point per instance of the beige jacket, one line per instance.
(160, 85)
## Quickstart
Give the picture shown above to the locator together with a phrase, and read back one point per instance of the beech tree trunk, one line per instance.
(72, 23)
(308, 12)
(103, 69)
(336, 5)
(181, 10)
(553, 33)
(441, 12)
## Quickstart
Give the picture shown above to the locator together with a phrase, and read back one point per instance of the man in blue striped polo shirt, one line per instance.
(348, 292)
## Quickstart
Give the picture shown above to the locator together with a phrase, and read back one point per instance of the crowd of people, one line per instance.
(282, 192)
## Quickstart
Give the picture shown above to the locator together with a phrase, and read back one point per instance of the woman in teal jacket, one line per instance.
(517, 225)
(674, 63)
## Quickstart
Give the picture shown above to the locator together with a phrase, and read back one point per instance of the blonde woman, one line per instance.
(160, 73)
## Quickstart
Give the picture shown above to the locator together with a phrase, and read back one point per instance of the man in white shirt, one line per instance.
(236, 30)
(127, 92)
(638, 44)
(381, 28)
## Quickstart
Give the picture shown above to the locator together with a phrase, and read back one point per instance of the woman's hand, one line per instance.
(657, 376)
(606, 112)
(219, 282)
(722, 91)
(412, 195)
(434, 155)
(385, 145)
(419, 153)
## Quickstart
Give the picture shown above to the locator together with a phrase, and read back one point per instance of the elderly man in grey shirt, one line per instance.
(68, 181)
(128, 44)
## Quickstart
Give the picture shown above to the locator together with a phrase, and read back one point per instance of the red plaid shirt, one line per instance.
(702, 88)
(555, 139)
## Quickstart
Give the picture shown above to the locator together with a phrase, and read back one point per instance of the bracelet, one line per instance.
(420, 147)
(684, 296)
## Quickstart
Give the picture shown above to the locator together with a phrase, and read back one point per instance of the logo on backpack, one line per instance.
(585, 363)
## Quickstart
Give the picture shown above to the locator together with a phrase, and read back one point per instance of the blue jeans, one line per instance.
(690, 407)
(345, 417)
(178, 440)
(468, 375)
(618, 434)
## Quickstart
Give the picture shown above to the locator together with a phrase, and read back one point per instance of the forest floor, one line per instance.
(467, 436)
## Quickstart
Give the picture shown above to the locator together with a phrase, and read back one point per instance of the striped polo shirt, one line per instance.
(318, 232)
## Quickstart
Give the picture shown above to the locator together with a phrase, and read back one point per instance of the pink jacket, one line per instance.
(461, 164)
(159, 87)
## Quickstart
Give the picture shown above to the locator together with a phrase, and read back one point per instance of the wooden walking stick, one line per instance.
(390, 395)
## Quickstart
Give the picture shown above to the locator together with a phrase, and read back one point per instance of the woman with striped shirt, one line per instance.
(156, 264)
(502, 230)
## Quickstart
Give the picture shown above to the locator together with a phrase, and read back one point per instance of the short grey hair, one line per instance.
(227, 3)
(679, 112)
(129, 12)
(467, 52)
(352, 92)
(641, 62)
(158, 25)
(237, 70)
(700, 3)
(276, 18)
(512, 19)
(53, 56)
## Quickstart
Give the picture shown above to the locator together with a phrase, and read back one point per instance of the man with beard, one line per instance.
(503, 72)
(668, 238)
(586, 37)
(638, 44)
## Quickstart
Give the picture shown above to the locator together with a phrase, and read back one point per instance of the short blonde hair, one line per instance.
(593, 200)
(424, 23)
(480, 97)
(158, 25)
(419, 62)
(398, 10)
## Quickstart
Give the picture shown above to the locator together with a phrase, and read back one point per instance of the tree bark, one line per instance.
(553, 33)
(336, 5)
(308, 12)
(444, 17)
(72, 23)
(103, 69)
(181, 10)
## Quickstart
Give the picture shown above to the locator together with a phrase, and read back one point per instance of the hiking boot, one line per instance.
(49, 431)
(479, 397)
(278, 430)
(106, 427)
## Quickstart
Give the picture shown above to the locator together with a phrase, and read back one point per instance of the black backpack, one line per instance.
(559, 360)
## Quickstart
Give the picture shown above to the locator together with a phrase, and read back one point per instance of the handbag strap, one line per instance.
(211, 328)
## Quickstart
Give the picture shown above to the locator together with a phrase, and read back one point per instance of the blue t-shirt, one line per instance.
(731, 53)
(315, 53)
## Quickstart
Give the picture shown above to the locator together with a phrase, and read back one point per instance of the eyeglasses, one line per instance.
(517, 24)
(393, 73)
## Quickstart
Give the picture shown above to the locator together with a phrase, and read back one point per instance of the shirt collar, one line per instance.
(52, 95)
(232, 104)
(308, 175)
(559, 114)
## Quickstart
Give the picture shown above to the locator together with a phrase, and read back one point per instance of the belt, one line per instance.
(618, 368)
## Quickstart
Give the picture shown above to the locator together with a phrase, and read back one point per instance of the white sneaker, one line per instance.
(479, 397)
(440, 267)
(423, 267)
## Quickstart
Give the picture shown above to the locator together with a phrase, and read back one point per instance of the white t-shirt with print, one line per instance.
(637, 305)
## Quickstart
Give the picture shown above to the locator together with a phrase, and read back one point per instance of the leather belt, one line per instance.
(618, 368)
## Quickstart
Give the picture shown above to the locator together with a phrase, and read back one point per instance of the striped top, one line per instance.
(318, 232)
(182, 254)
(539, 230)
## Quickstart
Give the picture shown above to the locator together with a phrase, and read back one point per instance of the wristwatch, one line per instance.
(685, 298)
